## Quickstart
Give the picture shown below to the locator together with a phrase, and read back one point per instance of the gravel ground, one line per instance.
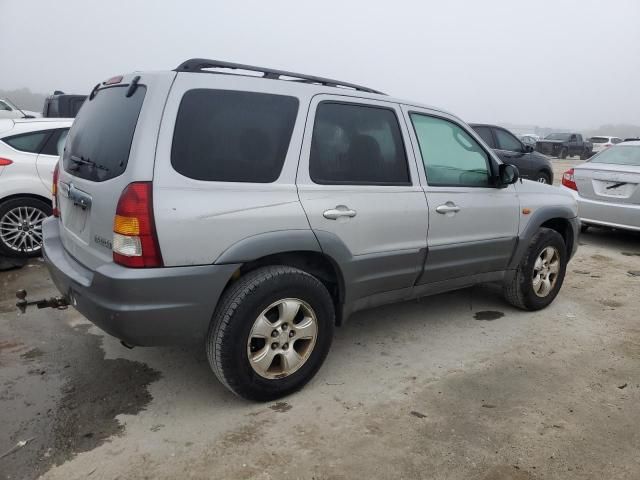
(455, 386)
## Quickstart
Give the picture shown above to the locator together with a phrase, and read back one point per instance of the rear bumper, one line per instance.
(615, 215)
(155, 306)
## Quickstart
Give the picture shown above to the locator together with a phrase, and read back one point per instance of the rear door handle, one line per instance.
(339, 211)
(448, 207)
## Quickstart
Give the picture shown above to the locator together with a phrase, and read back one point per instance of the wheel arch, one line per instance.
(26, 195)
(296, 248)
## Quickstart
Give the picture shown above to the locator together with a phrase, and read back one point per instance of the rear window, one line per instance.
(599, 140)
(231, 136)
(619, 155)
(99, 142)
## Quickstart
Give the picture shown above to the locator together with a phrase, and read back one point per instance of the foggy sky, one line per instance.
(554, 63)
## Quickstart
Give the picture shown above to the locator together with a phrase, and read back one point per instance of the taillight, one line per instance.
(54, 191)
(5, 161)
(568, 180)
(135, 242)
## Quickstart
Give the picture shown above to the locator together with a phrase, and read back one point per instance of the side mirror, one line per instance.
(528, 148)
(508, 174)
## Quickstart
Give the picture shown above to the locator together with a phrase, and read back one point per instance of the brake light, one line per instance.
(568, 180)
(135, 242)
(54, 191)
(5, 161)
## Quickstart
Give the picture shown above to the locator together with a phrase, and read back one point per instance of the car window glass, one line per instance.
(619, 155)
(485, 134)
(450, 155)
(61, 141)
(4, 106)
(357, 144)
(616, 140)
(232, 136)
(27, 142)
(100, 140)
(506, 141)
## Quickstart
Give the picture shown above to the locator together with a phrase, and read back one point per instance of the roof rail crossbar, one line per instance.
(200, 64)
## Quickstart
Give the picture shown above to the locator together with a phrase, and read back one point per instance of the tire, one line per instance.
(519, 291)
(584, 155)
(563, 153)
(13, 215)
(231, 341)
(543, 177)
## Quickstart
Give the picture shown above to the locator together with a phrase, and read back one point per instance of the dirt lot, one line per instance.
(455, 386)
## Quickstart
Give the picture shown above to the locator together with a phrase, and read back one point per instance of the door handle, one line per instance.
(448, 207)
(339, 211)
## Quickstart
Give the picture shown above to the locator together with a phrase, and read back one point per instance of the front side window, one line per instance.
(450, 155)
(507, 142)
(357, 145)
(232, 136)
(4, 106)
(28, 142)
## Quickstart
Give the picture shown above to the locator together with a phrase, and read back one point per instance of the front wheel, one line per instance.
(543, 178)
(271, 332)
(540, 274)
(21, 226)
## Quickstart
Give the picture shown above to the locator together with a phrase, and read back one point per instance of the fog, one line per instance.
(559, 63)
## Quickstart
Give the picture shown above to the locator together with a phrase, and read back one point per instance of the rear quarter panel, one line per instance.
(199, 220)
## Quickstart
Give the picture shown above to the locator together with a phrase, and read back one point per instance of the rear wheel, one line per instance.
(21, 226)
(540, 274)
(543, 177)
(271, 332)
(564, 152)
(584, 155)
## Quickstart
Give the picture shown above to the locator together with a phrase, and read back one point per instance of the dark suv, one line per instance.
(531, 164)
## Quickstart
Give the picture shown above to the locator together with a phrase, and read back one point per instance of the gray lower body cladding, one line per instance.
(157, 306)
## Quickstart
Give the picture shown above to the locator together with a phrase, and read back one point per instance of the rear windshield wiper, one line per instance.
(616, 185)
(86, 161)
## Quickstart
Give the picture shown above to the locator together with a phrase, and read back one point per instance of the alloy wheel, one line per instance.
(545, 271)
(21, 229)
(282, 338)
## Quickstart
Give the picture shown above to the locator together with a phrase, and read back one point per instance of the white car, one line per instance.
(600, 143)
(9, 110)
(530, 139)
(29, 151)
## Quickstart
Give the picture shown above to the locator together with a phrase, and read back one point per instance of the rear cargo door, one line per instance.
(111, 144)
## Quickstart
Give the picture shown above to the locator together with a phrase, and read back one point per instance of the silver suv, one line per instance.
(253, 213)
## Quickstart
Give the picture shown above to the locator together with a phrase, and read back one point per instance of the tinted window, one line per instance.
(28, 142)
(4, 106)
(230, 136)
(485, 134)
(599, 140)
(358, 145)
(507, 141)
(101, 136)
(450, 155)
(55, 143)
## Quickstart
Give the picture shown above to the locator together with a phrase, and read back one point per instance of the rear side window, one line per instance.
(599, 139)
(55, 143)
(28, 142)
(485, 134)
(99, 142)
(232, 136)
(357, 145)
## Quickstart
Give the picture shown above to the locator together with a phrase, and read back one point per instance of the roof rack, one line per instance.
(201, 64)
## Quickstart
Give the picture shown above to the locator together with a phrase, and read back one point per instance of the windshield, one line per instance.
(619, 155)
(558, 136)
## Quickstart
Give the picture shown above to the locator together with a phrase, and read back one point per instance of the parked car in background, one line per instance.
(252, 214)
(632, 139)
(531, 164)
(529, 139)
(62, 105)
(600, 143)
(9, 110)
(563, 145)
(29, 150)
(607, 187)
